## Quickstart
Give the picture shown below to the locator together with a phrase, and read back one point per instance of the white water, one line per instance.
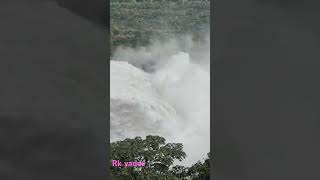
(136, 108)
(172, 101)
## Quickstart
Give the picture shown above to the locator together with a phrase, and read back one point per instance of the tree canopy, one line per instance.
(135, 24)
(158, 157)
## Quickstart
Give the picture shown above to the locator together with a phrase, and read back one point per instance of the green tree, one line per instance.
(153, 150)
(180, 172)
(200, 171)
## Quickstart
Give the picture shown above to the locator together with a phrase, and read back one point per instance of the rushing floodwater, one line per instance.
(172, 100)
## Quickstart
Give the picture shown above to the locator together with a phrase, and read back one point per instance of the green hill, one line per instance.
(134, 23)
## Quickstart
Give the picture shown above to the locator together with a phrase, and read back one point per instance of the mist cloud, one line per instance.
(180, 71)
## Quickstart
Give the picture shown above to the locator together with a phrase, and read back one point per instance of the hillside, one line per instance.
(135, 23)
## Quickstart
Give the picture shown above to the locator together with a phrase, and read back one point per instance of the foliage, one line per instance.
(134, 24)
(200, 171)
(158, 156)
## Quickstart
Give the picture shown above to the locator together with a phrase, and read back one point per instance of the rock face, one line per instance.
(136, 108)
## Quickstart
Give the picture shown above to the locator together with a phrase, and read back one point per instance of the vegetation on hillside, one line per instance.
(136, 23)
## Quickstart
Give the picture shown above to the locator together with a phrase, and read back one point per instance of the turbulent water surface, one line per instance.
(172, 100)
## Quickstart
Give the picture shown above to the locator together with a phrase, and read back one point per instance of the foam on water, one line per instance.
(136, 108)
(172, 101)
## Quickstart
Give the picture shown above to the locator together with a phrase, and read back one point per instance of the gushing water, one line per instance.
(163, 90)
